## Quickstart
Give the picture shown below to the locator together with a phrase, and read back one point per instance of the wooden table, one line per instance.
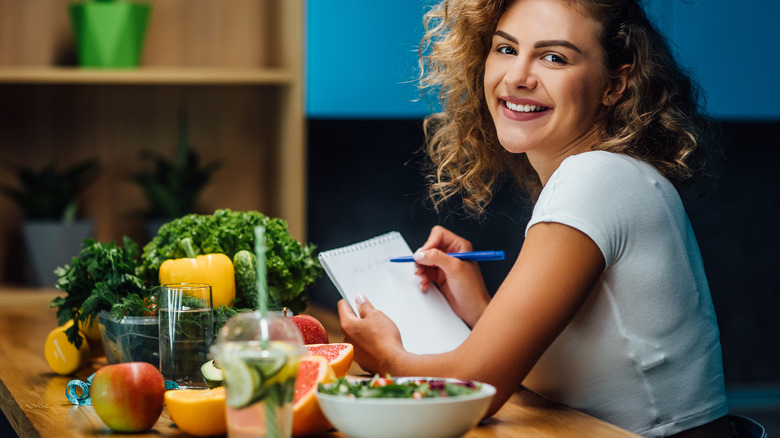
(32, 397)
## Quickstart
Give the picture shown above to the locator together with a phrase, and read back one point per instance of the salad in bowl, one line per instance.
(385, 407)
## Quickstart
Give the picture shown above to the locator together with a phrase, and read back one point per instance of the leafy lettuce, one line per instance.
(291, 266)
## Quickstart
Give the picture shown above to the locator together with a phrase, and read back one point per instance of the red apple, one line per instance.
(311, 329)
(128, 397)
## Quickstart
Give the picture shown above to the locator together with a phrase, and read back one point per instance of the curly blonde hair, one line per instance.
(657, 119)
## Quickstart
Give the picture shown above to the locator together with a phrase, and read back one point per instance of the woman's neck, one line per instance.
(546, 161)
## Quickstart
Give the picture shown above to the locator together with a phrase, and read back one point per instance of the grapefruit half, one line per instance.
(339, 355)
(308, 418)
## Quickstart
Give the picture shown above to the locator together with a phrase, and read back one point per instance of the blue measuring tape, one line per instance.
(71, 391)
(73, 387)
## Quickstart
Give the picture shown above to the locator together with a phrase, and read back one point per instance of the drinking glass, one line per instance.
(259, 357)
(186, 332)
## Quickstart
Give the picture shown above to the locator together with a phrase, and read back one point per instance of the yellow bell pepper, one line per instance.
(213, 269)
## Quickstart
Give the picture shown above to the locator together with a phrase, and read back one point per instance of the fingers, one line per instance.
(445, 240)
(435, 237)
(437, 258)
(362, 304)
(345, 311)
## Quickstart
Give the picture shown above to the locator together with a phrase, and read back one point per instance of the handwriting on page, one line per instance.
(368, 267)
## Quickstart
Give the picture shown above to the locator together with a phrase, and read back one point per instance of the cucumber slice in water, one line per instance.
(243, 384)
(248, 373)
(212, 375)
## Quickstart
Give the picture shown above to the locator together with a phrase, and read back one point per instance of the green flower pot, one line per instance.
(109, 34)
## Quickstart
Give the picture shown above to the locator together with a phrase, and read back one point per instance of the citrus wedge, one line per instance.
(339, 355)
(308, 419)
(199, 412)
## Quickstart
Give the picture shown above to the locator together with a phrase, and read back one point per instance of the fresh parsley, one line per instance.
(103, 276)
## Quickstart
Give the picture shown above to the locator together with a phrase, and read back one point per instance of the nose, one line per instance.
(520, 75)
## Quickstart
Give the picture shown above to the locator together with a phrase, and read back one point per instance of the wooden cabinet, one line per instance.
(235, 65)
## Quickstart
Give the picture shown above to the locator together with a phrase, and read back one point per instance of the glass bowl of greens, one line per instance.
(131, 339)
(385, 407)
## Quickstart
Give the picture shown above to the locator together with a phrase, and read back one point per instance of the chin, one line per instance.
(514, 146)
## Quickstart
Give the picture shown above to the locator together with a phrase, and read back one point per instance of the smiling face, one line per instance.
(544, 80)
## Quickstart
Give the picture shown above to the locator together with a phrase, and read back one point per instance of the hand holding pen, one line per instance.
(477, 256)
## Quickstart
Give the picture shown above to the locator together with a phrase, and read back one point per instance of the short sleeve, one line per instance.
(596, 193)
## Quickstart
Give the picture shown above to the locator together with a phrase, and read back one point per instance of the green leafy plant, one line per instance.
(103, 276)
(50, 193)
(172, 187)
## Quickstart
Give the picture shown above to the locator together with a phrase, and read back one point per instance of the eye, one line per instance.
(554, 58)
(506, 50)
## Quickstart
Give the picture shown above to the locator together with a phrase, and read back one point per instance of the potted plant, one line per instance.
(109, 33)
(49, 200)
(172, 187)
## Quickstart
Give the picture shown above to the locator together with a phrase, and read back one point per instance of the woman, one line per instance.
(607, 308)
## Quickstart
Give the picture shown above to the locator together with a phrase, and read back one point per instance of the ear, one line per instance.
(616, 85)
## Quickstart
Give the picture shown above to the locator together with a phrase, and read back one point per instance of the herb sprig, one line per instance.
(104, 276)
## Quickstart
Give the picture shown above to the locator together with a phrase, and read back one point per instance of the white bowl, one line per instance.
(439, 417)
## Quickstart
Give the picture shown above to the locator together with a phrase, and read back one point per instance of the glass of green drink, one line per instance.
(259, 357)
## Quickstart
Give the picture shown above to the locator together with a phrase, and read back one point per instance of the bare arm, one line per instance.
(554, 273)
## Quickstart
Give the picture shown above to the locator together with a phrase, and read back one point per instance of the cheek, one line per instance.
(492, 78)
(585, 94)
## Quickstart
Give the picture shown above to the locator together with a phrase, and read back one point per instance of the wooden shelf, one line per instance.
(145, 76)
(235, 66)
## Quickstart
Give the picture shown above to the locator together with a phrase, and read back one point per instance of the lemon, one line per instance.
(62, 356)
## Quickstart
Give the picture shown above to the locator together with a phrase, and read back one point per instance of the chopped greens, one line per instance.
(387, 387)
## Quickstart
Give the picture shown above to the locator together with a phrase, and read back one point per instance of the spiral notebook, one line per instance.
(425, 319)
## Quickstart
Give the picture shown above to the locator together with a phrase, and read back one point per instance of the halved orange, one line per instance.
(308, 419)
(339, 355)
(199, 412)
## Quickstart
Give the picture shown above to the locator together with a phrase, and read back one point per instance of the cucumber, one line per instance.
(245, 267)
(245, 384)
(250, 374)
(211, 374)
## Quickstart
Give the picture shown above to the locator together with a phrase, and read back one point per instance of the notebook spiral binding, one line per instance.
(392, 235)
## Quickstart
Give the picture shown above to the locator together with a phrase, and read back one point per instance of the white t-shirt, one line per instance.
(644, 351)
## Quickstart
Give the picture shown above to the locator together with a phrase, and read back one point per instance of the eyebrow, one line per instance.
(540, 44)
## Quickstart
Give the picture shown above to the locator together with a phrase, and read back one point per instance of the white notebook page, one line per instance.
(425, 319)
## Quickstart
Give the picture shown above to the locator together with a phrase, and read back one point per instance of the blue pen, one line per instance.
(477, 256)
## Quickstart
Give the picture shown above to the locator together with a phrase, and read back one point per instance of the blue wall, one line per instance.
(362, 61)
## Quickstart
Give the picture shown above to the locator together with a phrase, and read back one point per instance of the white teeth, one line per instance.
(523, 108)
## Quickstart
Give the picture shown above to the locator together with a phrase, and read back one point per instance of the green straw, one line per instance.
(262, 280)
(271, 403)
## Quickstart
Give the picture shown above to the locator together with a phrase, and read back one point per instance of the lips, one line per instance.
(523, 110)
